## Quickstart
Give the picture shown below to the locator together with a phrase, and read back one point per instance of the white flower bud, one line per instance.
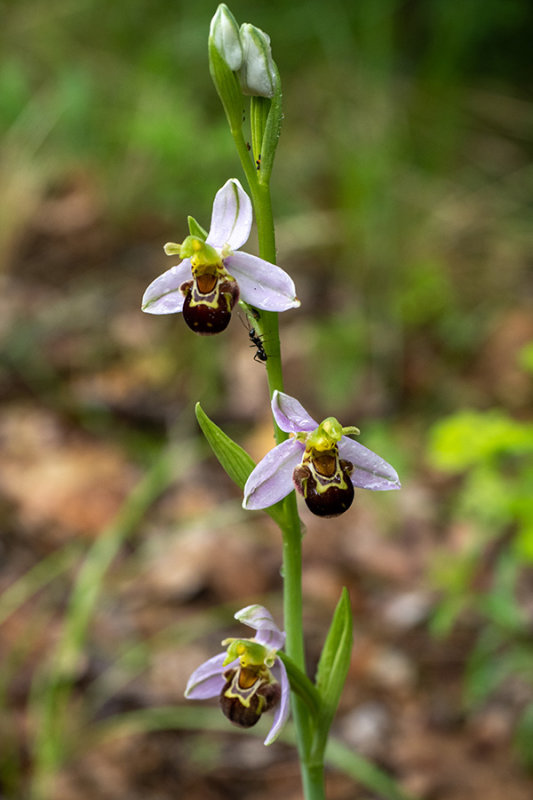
(224, 35)
(258, 73)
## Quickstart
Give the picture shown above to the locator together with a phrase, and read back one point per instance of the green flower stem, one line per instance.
(294, 645)
(270, 327)
(247, 165)
(313, 781)
(312, 773)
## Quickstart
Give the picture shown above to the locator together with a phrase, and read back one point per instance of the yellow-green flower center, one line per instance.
(202, 255)
(249, 652)
(326, 436)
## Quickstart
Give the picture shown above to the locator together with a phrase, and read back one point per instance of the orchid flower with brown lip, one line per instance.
(214, 274)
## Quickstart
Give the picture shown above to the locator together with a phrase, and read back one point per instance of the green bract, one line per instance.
(195, 229)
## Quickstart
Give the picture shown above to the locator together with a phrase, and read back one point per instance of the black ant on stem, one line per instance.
(256, 341)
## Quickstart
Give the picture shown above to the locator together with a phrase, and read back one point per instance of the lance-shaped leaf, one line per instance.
(233, 458)
(235, 461)
(333, 668)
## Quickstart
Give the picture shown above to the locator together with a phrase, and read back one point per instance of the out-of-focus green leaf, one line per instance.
(466, 438)
(524, 736)
(525, 357)
(523, 542)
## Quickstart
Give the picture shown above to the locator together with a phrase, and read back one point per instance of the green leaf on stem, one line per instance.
(235, 461)
(301, 684)
(233, 458)
(333, 667)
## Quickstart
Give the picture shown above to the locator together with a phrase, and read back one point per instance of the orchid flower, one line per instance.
(214, 273)
(320, 461)
(249, 677)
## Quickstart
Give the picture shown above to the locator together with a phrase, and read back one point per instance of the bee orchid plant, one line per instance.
(320, 460)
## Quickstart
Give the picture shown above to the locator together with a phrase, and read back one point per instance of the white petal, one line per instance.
(370, 470)
(290, 415)
(271, 480)
(231, 220)
(262, 284)
(163, 296)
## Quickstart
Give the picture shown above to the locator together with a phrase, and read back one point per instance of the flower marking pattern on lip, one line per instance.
(249, 677)
(319, 460)
(214, 273)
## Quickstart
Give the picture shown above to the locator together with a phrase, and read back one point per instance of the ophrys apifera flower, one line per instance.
(214, 273)
(248, 677)
(319, 460)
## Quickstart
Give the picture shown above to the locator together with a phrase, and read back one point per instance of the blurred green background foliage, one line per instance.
(403, 196)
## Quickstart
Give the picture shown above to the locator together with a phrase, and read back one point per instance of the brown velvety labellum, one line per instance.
(324, 481)
(245, 711)
(239, 714)
(205, 320)
(332, 502)
(209, 312)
